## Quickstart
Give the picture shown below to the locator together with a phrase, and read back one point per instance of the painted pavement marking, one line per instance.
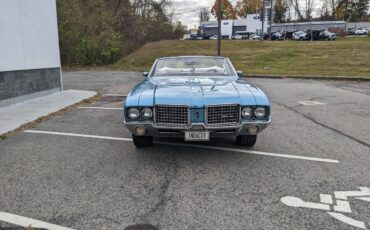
(326, 199)
(29, 223)
(254, 152)
(193, 146)
(342, 204)
(78, 135)
(311, 103)
(103, 108)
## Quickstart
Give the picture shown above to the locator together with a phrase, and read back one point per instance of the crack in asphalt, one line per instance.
(367, 92)
(323, 125)
(163, 197)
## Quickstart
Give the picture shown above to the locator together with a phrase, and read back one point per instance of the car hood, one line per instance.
(195, 92)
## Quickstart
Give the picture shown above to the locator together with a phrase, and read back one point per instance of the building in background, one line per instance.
(251, 24)
(304, 26)
(29, 50)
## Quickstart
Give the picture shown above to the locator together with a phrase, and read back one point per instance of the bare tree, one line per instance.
(297, 9)
(303, 12)
(204, 15)
(309, 9)
(334, 5)
(325, 10)
(281, 7)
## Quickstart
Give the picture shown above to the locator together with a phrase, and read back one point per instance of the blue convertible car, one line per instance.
(195, 98)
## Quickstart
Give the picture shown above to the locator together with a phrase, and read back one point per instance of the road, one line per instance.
(83, 171)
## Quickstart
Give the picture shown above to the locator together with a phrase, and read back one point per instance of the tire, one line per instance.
(246, 140)
(142, 141)
(301, 39)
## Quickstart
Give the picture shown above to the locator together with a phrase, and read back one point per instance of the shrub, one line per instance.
(103, 49)
(87, 51)
(109, 47)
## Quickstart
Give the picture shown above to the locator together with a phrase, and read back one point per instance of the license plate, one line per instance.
(196, 136)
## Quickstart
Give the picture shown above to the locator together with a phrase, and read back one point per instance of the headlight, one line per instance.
(260, 112)
(146, 113)
(133, 113)
(247, 112)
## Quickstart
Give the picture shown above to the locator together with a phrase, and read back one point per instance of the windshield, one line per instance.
(194, 66)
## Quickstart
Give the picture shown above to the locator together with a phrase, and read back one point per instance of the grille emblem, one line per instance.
(226, 116)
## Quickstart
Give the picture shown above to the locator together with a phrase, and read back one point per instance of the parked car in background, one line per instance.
(315, 36)
(254, 37)
(237, 37)
(299, 35)
(214, 37)
(244, 35)
(195, 98)
(202, 37)
(289, 34)
(351, 31)
(361, 31)
(326, 35)
(277, 36)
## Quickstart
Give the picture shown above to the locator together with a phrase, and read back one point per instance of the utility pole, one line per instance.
(270, 20)
(219, 16)
(263, 18)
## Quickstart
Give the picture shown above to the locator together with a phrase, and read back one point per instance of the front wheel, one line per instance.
(142, 141)
(246, 140)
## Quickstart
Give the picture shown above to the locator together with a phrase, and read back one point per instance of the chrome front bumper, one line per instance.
(178, 131)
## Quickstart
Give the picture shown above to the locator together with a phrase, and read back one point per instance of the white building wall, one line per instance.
(227, 28)
(28, 35)
(253, 23)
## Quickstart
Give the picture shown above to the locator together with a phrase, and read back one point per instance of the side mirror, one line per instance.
(145, 74)
(240, 73)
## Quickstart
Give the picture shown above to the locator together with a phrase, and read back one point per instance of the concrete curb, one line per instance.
(19, 123)
(311, 77)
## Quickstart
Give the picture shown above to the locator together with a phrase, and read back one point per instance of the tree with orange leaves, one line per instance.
(228, 11)
(244, 7)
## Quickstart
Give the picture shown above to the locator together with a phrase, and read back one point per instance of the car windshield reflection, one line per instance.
(193, 66)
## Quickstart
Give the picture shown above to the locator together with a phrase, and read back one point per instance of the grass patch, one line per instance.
(344, 57)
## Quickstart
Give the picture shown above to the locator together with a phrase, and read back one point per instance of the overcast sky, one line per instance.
(191, 18)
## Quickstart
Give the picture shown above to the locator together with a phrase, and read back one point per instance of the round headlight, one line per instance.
(247, 112)
(260, 112)
(133, 113)
(146, 113)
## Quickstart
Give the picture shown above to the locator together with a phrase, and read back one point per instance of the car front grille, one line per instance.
(225, 114)
(172, 115)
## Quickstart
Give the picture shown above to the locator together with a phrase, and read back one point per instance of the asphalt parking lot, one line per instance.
(81, 170)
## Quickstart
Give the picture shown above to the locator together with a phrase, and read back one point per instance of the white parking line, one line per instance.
(253, 152)
(193, 146)
(78, 135)
(29, 223)
(114, 95)
(103, 108)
